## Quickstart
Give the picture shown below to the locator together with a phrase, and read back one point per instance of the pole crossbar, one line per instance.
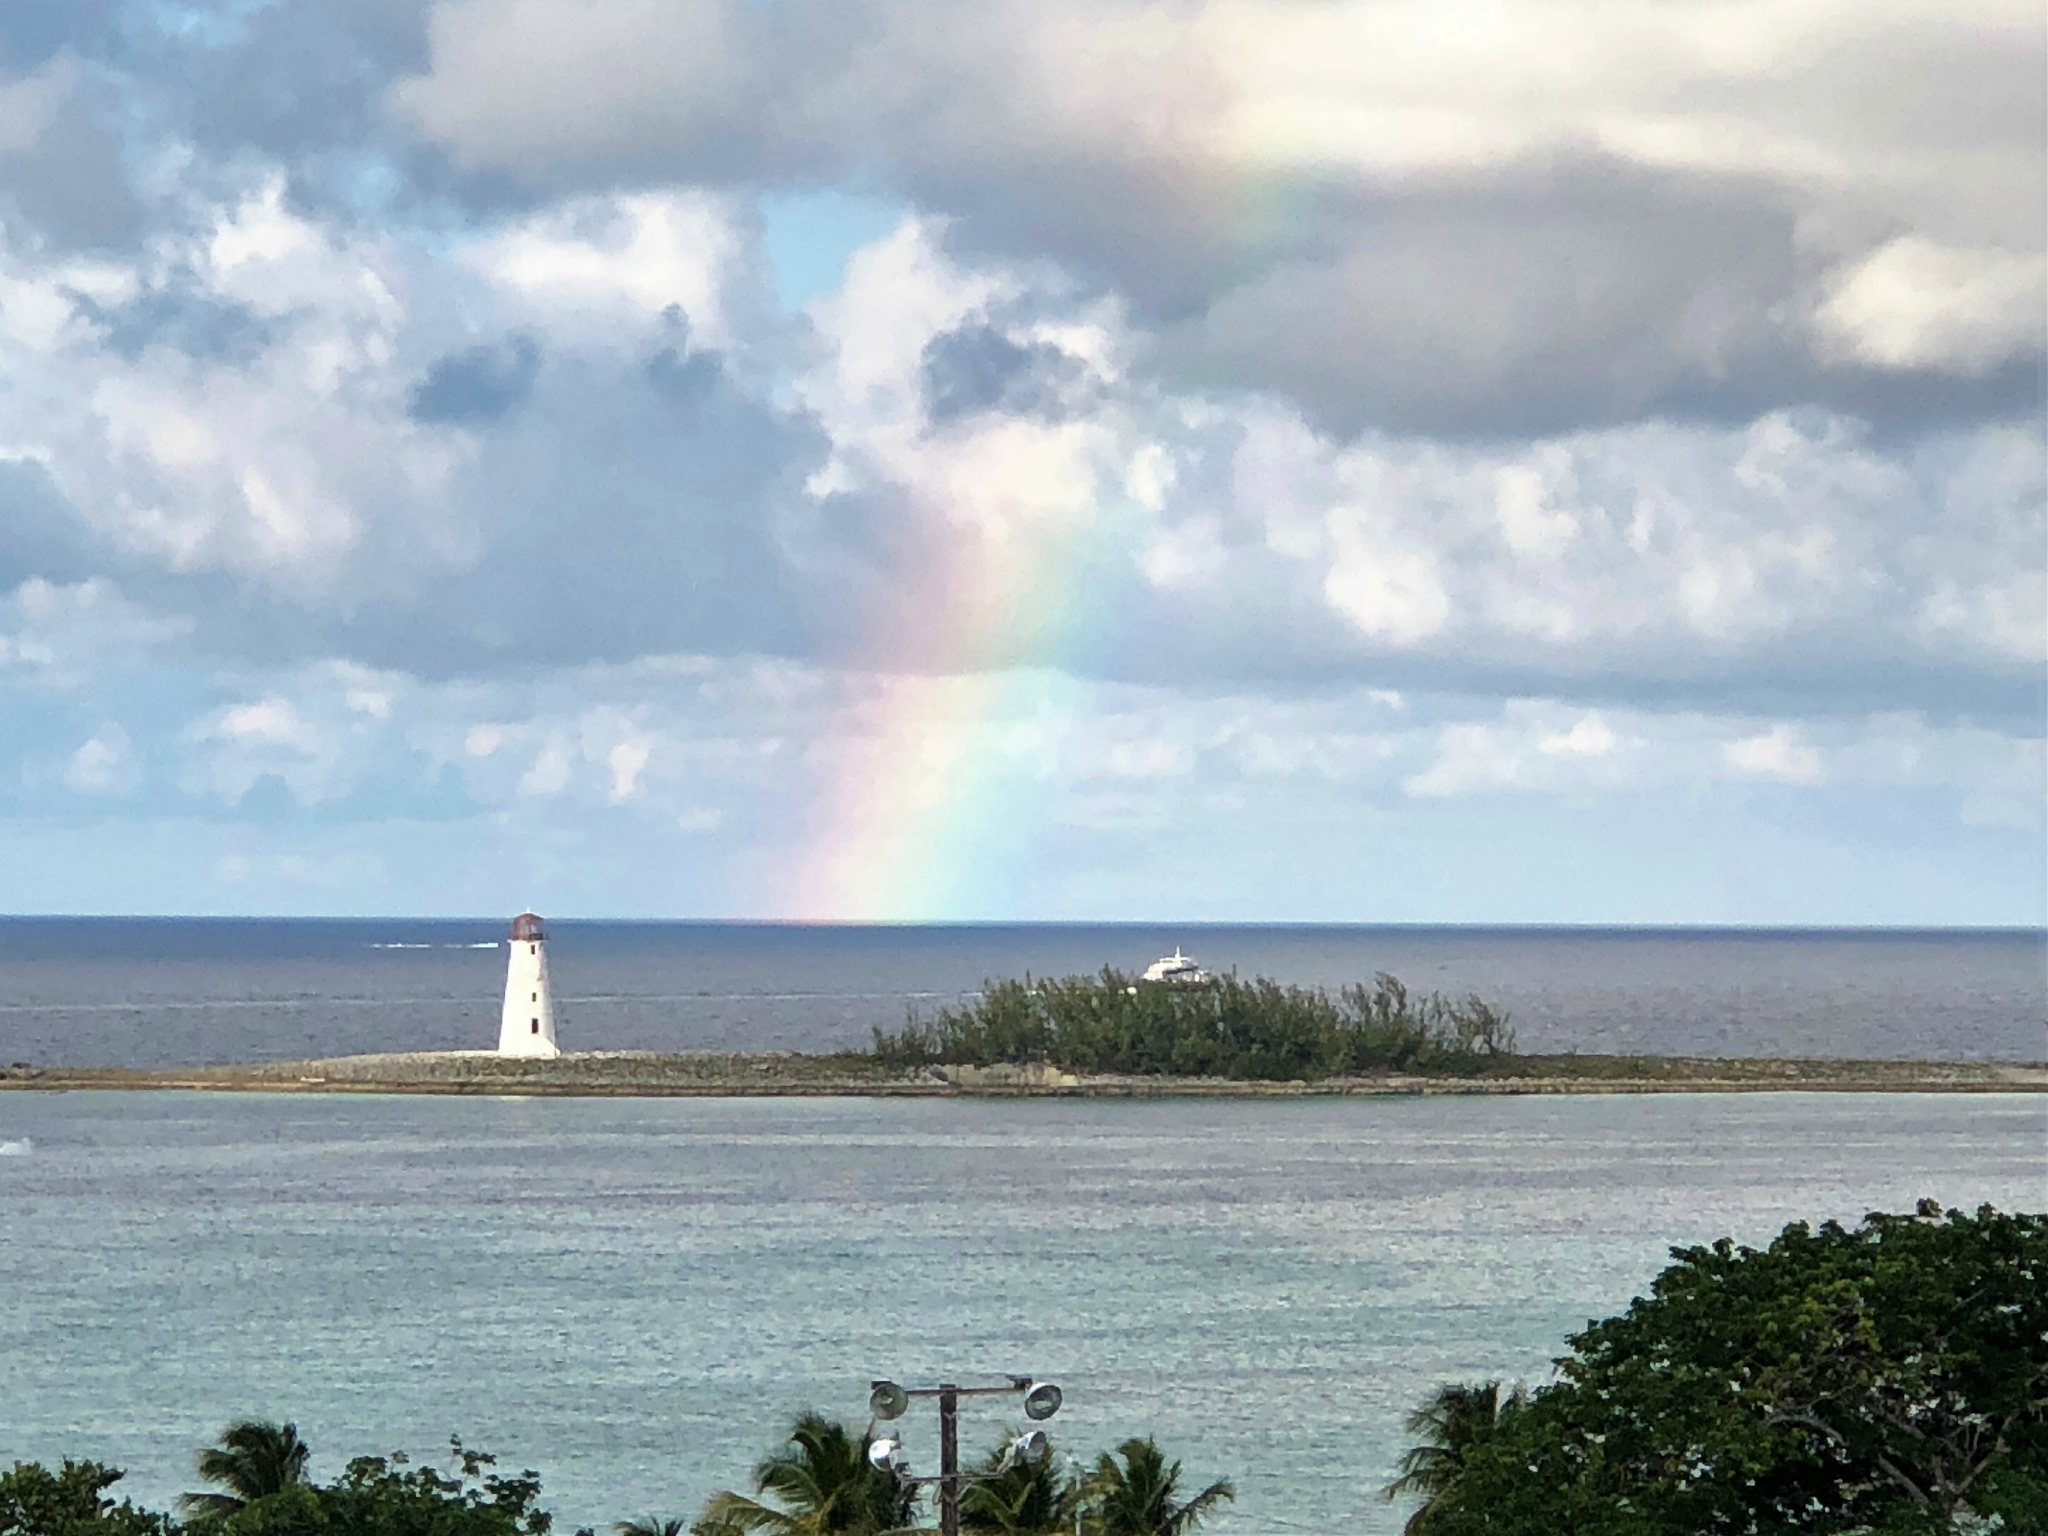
(888, 1401)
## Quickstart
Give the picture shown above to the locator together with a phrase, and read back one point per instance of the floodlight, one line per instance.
(1042, 1401)
(1028, 1449)
(886, 1456)
(888, 1401)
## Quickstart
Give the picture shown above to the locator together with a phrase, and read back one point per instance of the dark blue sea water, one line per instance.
(182, 991)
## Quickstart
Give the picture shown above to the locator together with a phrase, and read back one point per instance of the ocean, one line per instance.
(632, 1296)
(156, 992)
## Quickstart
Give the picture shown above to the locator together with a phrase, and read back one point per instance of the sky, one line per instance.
(1240, 460)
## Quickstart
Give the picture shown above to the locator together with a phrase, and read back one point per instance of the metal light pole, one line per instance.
(890, 1401)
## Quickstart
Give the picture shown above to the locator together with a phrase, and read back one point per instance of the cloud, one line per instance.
(978, 447)
(477, 384)
(622, 259)
(269, 722)
(103, 765)
(1915, 304)
(1301, 420)
(60, 165)
(1457, 219)
(978, 369)
(62, 635)
(1538, 748)
(1774, 754)
(627, 761)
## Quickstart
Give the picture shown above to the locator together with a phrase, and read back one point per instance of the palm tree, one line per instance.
(253, 1459)
(650, 1525)
(1455, 1418)
(1013, 1498)
(1137, 1498)
(824, 1484)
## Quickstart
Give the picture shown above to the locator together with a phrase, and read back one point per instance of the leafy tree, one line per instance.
(824, 1485)
(72, 1501)
(380, 1496)
(1455, 1419)
(1137, 1497)
(385, 1496)
(1892, 1378)
(1019, 1499)
(253, 1460)
(651, 1525)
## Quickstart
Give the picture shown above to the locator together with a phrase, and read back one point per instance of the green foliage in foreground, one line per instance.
(1225, 1027)
(820, 1484)
(253, 1460)
(72, 1501)
(1888, 1379)
(260, 1470)
(1137, 1493)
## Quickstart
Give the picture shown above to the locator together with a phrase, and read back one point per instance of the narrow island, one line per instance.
(1110, 1035)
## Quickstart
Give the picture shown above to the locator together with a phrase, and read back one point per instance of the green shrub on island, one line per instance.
(1888, 1379)
(1224, 1027)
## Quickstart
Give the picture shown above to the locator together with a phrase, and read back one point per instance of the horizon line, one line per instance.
(1527, 926)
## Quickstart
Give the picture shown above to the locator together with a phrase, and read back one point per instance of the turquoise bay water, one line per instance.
(628, 1295)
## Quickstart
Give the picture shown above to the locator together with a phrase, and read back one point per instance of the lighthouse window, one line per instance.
(536, 1026)
(536, 997)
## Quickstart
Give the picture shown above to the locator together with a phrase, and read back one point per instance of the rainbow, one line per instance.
(936, 781)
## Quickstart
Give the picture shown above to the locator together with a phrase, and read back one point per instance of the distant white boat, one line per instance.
(1175, 967)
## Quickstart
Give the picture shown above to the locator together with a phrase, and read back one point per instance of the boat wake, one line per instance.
(20, 1148)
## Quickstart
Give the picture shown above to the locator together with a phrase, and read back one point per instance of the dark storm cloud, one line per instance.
(617, 521)
(687, 381)
(477, 385)
(305, 76)
(1547, 300)
(611, 491)
(978, 368)
(1474, 291)
(184, 318)
(41, 534)
(36, 31)
(60, 164)
(634, 523)
(1563, 287)
(297, 83)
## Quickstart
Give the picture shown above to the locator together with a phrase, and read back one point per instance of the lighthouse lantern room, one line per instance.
(527, 1027)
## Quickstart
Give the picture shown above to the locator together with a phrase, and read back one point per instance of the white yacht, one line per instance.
(1175, 967)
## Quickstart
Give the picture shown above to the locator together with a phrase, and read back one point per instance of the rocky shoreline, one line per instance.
(658, 1075)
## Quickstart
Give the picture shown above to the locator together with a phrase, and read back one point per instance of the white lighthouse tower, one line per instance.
(527, 1027)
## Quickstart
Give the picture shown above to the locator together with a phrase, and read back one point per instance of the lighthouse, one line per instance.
(527, 1027)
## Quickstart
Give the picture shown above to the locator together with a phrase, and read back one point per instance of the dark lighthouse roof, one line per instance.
(526, 927)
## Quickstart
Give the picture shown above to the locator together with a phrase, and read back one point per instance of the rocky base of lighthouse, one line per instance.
(517, 1047)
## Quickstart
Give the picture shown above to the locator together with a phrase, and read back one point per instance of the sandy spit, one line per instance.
(655, 1075)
